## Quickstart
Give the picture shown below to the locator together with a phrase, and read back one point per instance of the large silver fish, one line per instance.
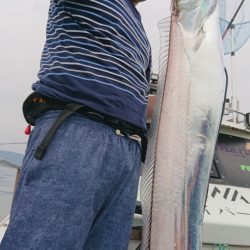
(184, 128)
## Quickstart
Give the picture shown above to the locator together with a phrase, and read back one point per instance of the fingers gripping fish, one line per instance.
(185, 126)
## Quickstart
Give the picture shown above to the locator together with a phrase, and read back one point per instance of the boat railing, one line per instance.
(5, 163)
(236, 117)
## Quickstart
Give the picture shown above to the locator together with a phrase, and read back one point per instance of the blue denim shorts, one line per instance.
(81, 195)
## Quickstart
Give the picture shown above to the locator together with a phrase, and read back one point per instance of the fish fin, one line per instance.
(147, 182)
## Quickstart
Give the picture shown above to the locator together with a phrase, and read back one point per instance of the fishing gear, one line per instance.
(232, 20)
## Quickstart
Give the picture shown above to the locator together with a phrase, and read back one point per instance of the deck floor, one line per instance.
(133, 244)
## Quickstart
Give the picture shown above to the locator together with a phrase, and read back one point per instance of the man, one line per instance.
(78, 183)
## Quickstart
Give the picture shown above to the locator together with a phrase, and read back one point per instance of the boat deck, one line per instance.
(133, 244)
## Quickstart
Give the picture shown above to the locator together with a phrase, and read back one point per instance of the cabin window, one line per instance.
(231, 164)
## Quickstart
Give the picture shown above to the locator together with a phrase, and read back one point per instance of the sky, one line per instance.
(22, 29)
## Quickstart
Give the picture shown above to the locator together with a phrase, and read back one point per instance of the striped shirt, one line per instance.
(97, 54)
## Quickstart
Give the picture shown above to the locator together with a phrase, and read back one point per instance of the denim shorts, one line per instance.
(81, 195)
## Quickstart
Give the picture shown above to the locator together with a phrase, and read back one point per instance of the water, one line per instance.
(7, 183)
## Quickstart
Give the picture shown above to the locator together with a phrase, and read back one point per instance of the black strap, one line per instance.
(144, 145)
(70, 109)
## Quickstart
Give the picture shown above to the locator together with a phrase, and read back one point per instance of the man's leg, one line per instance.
(58, 198)
(113, 222)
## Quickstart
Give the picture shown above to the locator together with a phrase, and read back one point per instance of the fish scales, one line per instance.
(184, 127)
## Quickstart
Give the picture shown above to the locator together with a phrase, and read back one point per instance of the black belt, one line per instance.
(32, 110)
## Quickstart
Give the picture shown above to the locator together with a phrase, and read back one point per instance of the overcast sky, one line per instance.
(22, 29)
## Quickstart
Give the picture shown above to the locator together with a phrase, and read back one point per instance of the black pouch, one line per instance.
(33, 107)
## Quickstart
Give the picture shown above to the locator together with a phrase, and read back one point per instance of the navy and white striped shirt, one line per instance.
(97, 54)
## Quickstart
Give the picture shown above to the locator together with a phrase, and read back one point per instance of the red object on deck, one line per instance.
(27, 131)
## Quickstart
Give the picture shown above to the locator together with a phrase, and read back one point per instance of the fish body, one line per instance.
(184, 127)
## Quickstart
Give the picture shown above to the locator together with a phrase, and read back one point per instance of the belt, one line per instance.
(44, 103)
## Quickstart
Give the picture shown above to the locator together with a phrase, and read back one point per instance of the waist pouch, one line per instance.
(36, 105)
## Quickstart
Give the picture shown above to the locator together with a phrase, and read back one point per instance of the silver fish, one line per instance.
(184, 127)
